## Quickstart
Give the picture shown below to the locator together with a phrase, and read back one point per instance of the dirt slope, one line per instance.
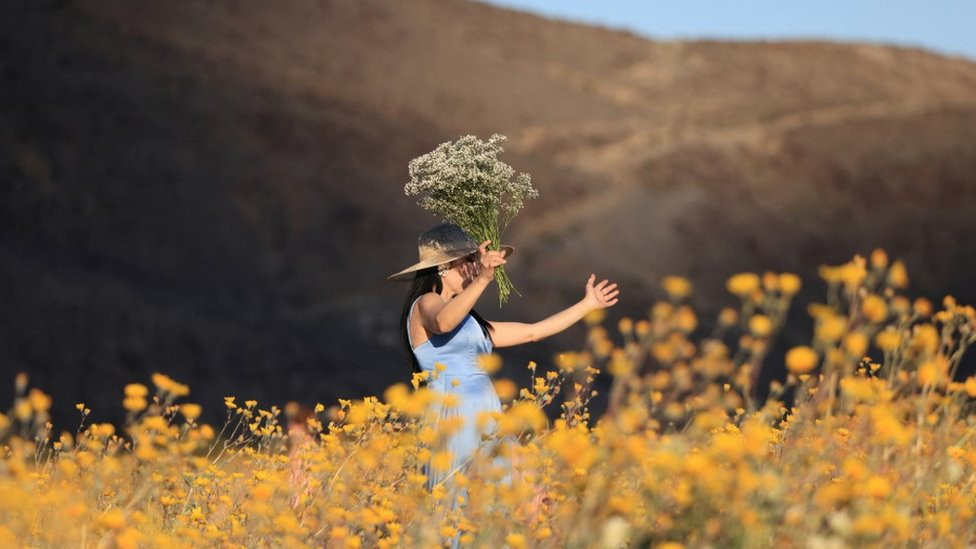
(214, 189)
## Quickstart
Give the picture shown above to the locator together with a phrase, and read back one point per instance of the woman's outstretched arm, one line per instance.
(600, 296)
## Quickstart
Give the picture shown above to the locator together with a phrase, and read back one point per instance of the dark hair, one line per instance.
(427, 280)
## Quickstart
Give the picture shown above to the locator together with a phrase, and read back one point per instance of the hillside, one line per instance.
(214, 190)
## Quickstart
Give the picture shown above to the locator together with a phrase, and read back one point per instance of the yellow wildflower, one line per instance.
(286, 523)
(925, 339)
(760, 325)
(102, 430)
(685, 319)
(888, 340)
(933, 372)
(625, 325)
(515, 541)
(134, 403)
(676, 286)
(197, 514)
(594, 317)
(489, 362)
(897, 275)
(818, 310)
(521, 416)
(39, 401)
(874, 309)
(971, 386)
(190, 410)
(830, 327)
(743, 284)
(922, 307)
(620, 364)
(135, 390)
(856, 344)
(168, 385)
(567, 361)
(263, 491)
(642, 328)
(789, 284)
(879, 259)
(68, 467)
(113, 518)
(852, 273)
(728, 316)
(801, 359)
(130, 538)
(506, 389)
(877, 486)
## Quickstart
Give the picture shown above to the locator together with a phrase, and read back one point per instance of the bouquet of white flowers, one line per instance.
(466, 184)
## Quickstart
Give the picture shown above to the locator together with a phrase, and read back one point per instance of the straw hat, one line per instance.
(439, 245)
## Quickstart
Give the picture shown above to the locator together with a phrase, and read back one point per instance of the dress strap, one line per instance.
(410, 314)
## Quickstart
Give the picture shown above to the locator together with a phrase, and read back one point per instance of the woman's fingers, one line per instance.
(490, 259)
(496, 258)
(605, 292)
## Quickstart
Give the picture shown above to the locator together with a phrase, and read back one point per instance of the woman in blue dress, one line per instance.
(439, 325)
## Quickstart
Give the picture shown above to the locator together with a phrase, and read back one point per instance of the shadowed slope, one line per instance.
(214, 190)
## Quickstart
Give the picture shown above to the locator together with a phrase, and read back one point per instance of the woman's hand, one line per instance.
(488, 260)
(602, 295)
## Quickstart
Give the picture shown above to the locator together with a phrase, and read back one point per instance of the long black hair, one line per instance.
(427, 280)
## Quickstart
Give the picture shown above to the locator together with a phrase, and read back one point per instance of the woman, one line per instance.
(439, 325)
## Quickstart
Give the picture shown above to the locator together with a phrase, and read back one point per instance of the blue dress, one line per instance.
(458, 350)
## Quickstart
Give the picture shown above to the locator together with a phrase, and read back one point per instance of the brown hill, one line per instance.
(214, 190)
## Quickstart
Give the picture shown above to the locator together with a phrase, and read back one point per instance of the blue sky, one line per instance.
(943, 26)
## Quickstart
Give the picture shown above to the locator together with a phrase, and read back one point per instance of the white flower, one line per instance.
(466, 184)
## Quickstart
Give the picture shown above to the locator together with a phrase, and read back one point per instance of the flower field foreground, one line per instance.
(846, 451)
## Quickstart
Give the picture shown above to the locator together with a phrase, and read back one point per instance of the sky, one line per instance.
(943, 26)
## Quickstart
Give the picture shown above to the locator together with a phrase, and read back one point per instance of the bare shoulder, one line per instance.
(430, 303)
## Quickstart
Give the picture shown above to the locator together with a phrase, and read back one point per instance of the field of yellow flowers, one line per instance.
(846, 451)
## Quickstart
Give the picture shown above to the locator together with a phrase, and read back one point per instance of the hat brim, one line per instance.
(410, 272)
